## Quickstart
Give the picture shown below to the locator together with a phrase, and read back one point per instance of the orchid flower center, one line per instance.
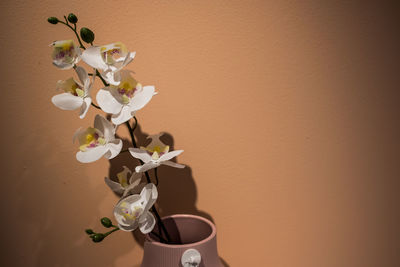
(130, 213)
(91, 138)
(123, 179)
(64, 51)
(72, 87)
(156, 151)
(113, 53)
(126, 89)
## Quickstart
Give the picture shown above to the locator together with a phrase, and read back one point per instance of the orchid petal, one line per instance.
(124, 115)
(147, 166)
(91, 154)
(134, 189)
(148, 222)
(105, 127)
(172, 164)
(63, 66)
(113, 78)
(128, 228)
(142, 98)
(114, 148)
(170, 155)
(135, 178)
(114, 186)
(128, 59)
(85, 107)
(66, 101)
(92, 57)
(83, 75)
(107, 102)
(140, 154)
(150, 194)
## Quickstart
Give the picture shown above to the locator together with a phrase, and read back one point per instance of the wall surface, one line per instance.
(288, 112)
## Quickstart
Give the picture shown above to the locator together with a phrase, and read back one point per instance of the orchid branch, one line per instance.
(161, 224)
(74, 30)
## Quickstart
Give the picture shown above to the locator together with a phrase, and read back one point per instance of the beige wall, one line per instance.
(287, 111)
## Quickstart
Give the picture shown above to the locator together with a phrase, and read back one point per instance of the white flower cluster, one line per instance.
(121, 97)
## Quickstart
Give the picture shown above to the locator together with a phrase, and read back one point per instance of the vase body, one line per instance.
(186, 232)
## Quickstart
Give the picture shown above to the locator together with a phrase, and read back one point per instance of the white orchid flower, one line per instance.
(155, 154)
(110, 59)
(133, 211)
(76, 94)
(124, 99)
(124, 187)
(98, 141)
(65, 54)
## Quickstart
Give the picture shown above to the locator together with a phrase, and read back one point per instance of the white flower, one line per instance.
(110, 59)
(65, 54)
(76, 94)
(155, 154)
(123, 187)
(98, 141)
(133, 211)
(125, 99)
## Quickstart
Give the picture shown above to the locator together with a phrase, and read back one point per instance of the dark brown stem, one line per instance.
(153, 209)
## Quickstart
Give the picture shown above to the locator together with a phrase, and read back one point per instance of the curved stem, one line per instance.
(133, 130)
(160, 223)
(94, 105)
(101, 78)
(112, 231)
(155, 174)
(74, 30)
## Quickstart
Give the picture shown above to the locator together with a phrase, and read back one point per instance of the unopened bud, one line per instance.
(72, 18)
(98, 238)
(87, 35)
(52, 20)
(89, 231)
(106, 222)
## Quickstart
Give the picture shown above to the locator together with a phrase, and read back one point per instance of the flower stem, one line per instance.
(74, 30)
(101, 78)
(160, 223)
(112, 231)
(94, 105)
(155, 175)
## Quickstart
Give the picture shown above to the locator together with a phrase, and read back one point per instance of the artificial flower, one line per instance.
(133, 211)
(98, 141)
(123, 186)
(125, 99)
(110, 59)
(75, 94)
(155, 154)
(65, 54)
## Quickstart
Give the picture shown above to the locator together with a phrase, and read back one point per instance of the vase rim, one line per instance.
(209, 237)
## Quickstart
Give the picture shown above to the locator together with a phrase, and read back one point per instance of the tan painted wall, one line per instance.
(287, 112)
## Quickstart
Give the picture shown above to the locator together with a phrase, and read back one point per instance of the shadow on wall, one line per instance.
(177, 192)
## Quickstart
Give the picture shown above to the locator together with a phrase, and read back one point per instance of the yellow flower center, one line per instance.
(156, 151)
(130, 214)
(64, 51)
(70, 86)
(113, 53)
(127, 88)
(91, 139)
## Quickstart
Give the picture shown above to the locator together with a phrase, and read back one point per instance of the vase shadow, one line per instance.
(177, 191)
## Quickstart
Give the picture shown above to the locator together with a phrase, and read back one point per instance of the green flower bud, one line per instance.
(72, 18)
(98, 238)
(106, 222)
(87, 35)
(89, 231)
(52, 20)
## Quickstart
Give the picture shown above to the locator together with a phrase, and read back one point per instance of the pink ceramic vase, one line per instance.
(194, 243)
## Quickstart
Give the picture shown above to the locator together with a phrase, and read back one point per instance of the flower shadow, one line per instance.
(177, 191)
